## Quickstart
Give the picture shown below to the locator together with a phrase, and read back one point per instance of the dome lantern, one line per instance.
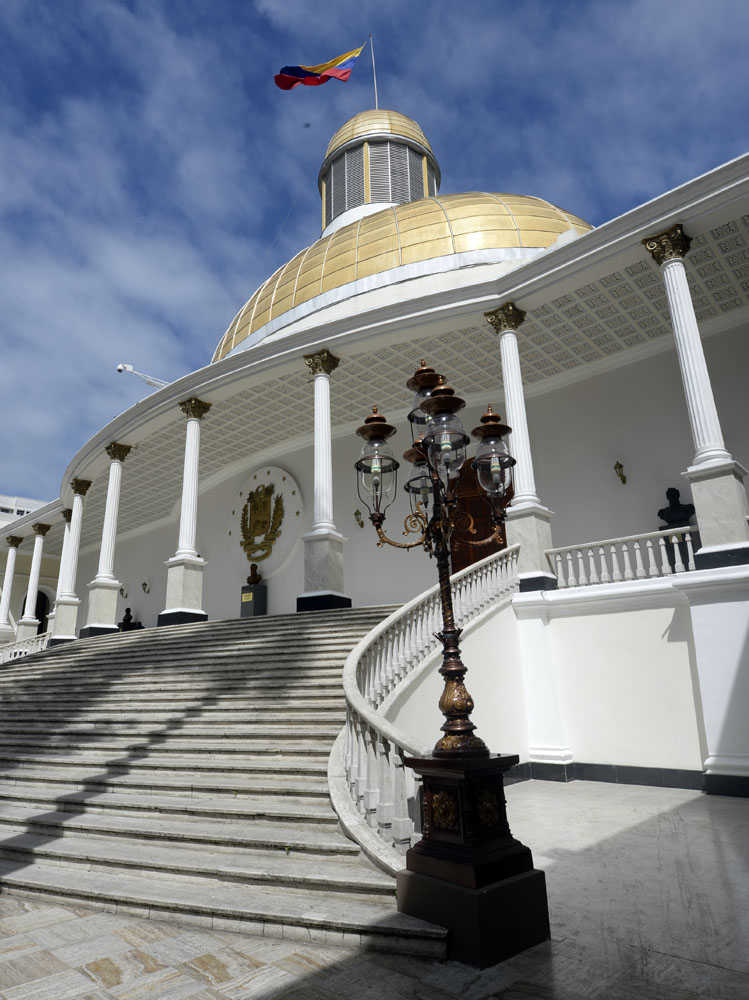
(375, 160)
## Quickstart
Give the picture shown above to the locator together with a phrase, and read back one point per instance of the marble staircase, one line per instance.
(181, 773)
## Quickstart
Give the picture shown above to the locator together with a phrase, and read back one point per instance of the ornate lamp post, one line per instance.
(468, 872)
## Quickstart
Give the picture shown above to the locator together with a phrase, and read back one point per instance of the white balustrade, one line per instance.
(634, 557)
(15, 650)
(373, 792)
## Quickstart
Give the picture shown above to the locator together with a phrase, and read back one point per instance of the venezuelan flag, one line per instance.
(312, 76)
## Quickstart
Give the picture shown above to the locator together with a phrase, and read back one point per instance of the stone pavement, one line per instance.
(649, 897)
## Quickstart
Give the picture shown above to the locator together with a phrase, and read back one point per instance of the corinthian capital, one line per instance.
(506, 317)
(194, 407)
(668, 246)
(40, 529)
(67, 514)
(14, 541)
(80, 486)
(118, 452)
(322, 363)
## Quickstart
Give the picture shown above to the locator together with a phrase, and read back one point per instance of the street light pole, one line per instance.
(467, 872)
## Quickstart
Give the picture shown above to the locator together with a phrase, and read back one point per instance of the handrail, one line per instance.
(24, 647)
(666, 552)
(371, 789)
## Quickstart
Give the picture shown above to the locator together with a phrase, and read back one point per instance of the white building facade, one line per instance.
(623, 346)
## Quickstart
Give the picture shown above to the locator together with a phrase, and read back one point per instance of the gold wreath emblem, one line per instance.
(257, 520)
(444, 811)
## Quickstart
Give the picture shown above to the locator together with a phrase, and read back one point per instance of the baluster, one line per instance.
(652, 563)
(592, 574)
(561, 578)
(616, 574)
(571, 581)
(690, 551)
(385, 799)
(581, 577)
(361, 765)
(402, 825)
(639, 566)
(665, 564)
(348, 756)
(628, 574)
(371, 789)
(678, 564)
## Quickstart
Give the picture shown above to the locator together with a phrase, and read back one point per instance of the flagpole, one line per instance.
(374, 71)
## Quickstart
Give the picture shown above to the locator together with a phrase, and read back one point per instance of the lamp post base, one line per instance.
(468, 873)
(486, 925)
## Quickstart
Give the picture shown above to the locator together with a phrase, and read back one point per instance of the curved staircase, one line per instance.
(181, 772)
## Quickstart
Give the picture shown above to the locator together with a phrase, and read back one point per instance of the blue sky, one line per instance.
(152, 175)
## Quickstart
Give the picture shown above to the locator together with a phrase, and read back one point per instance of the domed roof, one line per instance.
(377, 123)
(400, 235)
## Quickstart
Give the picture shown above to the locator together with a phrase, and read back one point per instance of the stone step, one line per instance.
(214, 764)
(183, 747)
(308, 838)
(69, 798)
(207, 683)
(223, 731)
(248, 717)
(329, 918)
(104, 781)
(287, 699)
(279, 868)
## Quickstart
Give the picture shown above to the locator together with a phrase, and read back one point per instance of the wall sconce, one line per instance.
(358, 518)
(123, 593)
(619, 470)
(145, 588)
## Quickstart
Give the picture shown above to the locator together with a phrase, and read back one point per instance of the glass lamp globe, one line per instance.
(493, 464)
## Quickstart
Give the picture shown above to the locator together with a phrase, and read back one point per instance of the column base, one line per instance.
(89, 630)
(66, 620)
(61, 640)
(180, 617)
(486, 925)
(7, 634)
(102, 608)
(323, 570)
(184, 591)
(736, 785)
(27, 628)
(721, 504)
(324, 600)
(528, 526)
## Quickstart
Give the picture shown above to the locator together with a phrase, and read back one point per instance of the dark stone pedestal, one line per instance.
(254, 600)
(180, 618)
(468, 873)
(706, 559)
(58, 642)
(486, 925)
(89, 630)
(322, 602)
(541, 581)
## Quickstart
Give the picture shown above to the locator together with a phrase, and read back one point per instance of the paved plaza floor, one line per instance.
(648, 891)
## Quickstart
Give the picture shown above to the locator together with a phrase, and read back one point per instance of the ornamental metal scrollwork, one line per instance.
(488, 809)
(257, 519)
(445, 811)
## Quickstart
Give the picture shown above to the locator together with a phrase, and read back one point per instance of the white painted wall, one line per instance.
(491, 652)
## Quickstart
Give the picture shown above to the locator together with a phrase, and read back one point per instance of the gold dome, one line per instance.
(404, 234)
(377, 123)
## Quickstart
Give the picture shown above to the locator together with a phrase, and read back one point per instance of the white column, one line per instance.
(321, 365)
(323, 546)
(184, 575)
(520, 444)
(7, 633)
(717, 480)
(28, 625)
(528, 521)
(117, 454)
(66, 605)
(194, 409)
(65, 554)
(104, 588)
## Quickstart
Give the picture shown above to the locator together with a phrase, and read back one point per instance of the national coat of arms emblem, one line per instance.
(257, 519)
